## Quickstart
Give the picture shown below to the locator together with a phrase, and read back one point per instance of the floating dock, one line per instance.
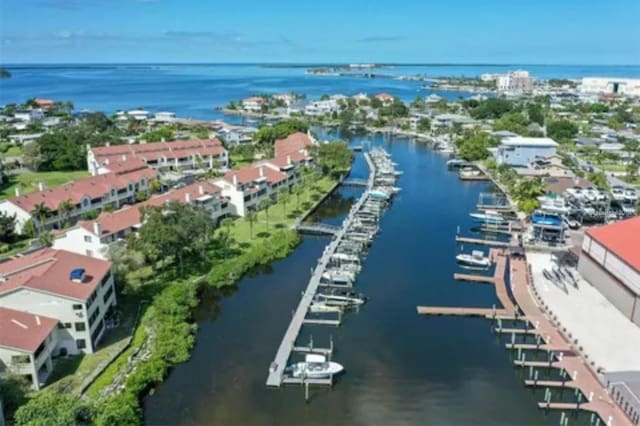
(481, 242)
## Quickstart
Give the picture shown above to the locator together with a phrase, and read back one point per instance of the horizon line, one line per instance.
(315, 64)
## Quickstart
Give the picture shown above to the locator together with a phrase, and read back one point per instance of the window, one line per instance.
(81, 344)
(85, 202)
(87, 238)
(97, 332)
(107, 295)
(77, 307)
(80, 326)
(67, 325)
(92, 298)
(94, 315)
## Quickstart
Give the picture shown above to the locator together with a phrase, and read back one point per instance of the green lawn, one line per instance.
(28, 182)
(12, 151)
(279, 215)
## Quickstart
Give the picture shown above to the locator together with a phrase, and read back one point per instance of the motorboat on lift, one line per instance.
(476, 258)
(489, 216)
(314, 366)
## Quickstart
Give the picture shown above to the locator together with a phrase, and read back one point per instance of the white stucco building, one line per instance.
(78, 291)
(611, 85)
(520, 151)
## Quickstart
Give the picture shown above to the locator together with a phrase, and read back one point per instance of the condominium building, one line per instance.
(611, 86)
(93, 238)
(69, 202)
(164, 156)
(77, 291)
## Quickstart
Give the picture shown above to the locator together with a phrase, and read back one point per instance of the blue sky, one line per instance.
(459, 31)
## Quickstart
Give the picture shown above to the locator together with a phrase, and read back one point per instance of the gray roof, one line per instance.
(588, 141)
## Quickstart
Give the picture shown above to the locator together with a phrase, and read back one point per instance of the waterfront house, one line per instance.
(236, 135)
(320, 108)
(78, 291)
(29, 115)
(610, 261)
(449, 120)
(138, 114)
(84, 195)
(521, 151)
(164, 117)
(551, 165)
(298, 141)
(27, 343)
(24, 138)
(44, 103)
(385, 98)
(164, 156)
(253, 103)
(93, 238)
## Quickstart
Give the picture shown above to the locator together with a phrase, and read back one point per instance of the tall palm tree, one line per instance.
(284, 198)
(41, 212)
(64, 208)
(297, 190)
(251, 217)
(264, 205)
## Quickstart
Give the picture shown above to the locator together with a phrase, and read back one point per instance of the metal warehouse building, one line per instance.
(610, 261)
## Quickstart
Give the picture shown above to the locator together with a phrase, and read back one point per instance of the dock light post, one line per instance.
(575, 375)
(591, 396)
(562, 418)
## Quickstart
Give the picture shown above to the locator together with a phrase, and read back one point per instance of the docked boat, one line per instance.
(489, 216)
(378, 194)
(314, 366)
(340, 300)
(321, 307)
(543, 218)
(476, 258)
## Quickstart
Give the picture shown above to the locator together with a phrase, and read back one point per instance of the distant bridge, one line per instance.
(318, 229)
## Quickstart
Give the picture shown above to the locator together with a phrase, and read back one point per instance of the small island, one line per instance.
(4, 73)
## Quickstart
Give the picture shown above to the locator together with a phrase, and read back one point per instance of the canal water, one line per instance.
(401, 368)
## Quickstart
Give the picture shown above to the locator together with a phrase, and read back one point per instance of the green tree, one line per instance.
(599, 179)
(7, 227)
(64, 209)
(49, 408)
(424, 124)
(265, 205)
(41, 212)
(297, 191)
(155, 186)
(332, 158)
(535, 113)
(512, 121)
(492, 108)
(121, 410)
(46, 239)
(13, 393)
(526, 194)
(475, 147)
(251, 217)
(284, 197)
(418, 102)
(562, 130)
(267, 135)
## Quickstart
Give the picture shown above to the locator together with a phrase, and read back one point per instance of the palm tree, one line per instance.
(226, 224)
(251, 217)
(297, 190)
(64, 208)
(46, 239)
(264, 205)
(41, 212)
(284, 197)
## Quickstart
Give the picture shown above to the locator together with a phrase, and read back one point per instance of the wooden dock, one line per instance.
(508, 310)
(551, 384)
(481, 242)
(276, 369)
(458, 311)
(474, 278)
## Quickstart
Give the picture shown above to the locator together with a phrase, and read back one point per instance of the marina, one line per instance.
(337, 267)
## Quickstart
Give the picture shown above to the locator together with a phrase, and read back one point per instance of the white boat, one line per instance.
(476, 258)
(321, 307)
(631, 195)
(489, 216)
(617, 192)
(314, 366)
(378, 195)
(340, 300)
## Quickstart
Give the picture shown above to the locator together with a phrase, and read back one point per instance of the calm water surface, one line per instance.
(401, 368)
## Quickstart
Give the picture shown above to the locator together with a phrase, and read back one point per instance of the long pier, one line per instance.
(276, 370)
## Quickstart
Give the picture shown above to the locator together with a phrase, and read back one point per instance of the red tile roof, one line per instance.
(126, 166)
(123, 219)
(24, 331)
(287, 160)
(384, 97)
(155, 150)
(44, 103)
(295, 142)
(93, 187)
(48, 270)
(622, 239)
(250, 174)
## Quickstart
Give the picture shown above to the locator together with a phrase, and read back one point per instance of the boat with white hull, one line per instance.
(337, 299)
(489, 216)
(476, 258)
(314, 366)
